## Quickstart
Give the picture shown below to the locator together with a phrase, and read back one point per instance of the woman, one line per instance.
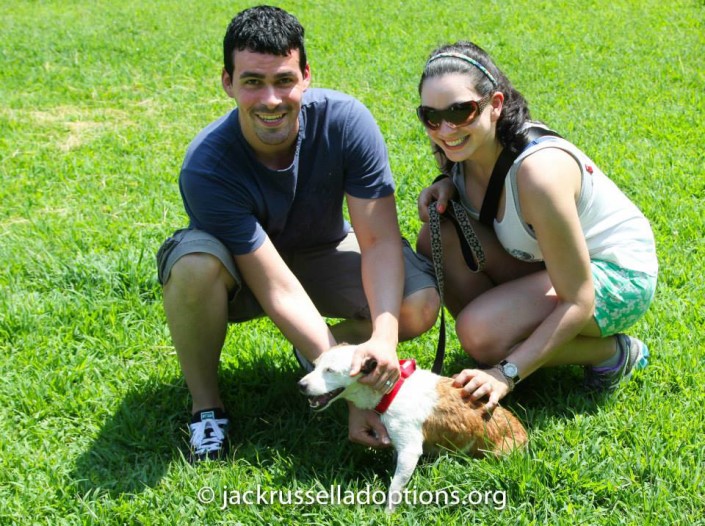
(570, 263)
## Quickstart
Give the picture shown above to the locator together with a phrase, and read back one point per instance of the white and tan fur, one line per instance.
(428, 414)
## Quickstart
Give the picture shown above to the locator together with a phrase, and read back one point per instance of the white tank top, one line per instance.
(615, 229)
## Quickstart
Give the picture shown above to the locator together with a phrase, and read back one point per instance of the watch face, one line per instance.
(510, 370)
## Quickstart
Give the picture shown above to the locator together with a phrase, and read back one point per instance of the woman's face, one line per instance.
(460, 141)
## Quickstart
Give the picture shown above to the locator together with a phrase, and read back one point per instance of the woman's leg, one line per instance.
(498, 308)
(490, 326)
(461, 284)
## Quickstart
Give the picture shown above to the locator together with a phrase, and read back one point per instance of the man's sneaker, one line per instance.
(303, 361)
(634, 355)
(209, 435)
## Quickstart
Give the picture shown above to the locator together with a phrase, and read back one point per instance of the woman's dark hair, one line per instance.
(487, 78)
(263, 29)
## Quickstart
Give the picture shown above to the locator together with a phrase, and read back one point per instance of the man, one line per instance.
(263, 187)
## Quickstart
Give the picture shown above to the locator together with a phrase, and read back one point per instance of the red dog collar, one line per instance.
(407, 368)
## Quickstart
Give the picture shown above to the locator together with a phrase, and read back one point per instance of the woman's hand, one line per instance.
(477, 383)
(441, 191)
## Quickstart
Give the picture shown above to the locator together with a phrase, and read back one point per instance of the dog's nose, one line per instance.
(302, 385)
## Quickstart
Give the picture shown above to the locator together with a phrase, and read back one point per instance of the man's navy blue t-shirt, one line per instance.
(228, 193)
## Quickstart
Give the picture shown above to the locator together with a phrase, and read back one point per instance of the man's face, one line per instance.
(268, 90)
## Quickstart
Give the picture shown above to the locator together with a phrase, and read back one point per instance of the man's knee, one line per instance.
(196, 272)
(423, 241)
(419, 312)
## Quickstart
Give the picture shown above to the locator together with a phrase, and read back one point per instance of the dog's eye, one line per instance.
(328, 370)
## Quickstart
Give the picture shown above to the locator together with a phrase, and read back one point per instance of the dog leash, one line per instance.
(472, 253)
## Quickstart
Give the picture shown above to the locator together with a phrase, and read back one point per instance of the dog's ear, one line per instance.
(369, 366)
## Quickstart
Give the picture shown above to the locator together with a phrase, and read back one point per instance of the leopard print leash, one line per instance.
(472, 253)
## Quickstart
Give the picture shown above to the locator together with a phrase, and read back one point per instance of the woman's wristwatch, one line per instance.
(510, 372)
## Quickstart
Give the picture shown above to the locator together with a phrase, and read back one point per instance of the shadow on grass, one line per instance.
(136, 443)
(271, 421)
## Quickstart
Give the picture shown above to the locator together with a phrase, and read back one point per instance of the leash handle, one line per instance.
(472, 252)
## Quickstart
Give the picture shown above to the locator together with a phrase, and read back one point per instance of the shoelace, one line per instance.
(208, 435)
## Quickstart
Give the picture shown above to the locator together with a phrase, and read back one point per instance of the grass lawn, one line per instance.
(98, 102)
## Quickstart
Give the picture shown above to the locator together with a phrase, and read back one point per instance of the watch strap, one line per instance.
(511, 380)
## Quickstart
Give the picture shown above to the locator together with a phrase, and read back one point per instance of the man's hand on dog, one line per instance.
(378, 363)
(478, 383)
(366, 428)
(380, 368)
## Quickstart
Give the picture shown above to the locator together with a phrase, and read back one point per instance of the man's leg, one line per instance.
(332, 277)
(418, 313)
(199, 276)
(196, 305)
(421, 302)
(352, 331)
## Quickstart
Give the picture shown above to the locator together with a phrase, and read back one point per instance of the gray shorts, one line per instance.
(330, 274)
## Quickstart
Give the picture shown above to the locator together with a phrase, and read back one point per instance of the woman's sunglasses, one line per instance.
(460, 114)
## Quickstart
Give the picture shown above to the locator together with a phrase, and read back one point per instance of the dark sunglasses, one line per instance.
(460, 114)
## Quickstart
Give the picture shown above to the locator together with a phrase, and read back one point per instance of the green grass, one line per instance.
(98, 101)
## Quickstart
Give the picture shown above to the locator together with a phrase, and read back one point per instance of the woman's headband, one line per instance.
(468, 60)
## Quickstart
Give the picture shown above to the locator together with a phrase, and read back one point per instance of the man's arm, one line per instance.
(377, 230)
(284, 300)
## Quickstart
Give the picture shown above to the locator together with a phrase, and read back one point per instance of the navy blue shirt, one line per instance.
(228, 193)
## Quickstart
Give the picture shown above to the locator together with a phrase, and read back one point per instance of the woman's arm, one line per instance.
(549, 183)
(549, 186)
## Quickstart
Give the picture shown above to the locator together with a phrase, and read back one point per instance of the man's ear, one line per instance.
(307, 77)
(227, 82)
(369, 366)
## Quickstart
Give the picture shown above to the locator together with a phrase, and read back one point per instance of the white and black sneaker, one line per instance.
(209, 435)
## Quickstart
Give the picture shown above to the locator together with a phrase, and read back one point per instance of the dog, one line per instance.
(424, 412)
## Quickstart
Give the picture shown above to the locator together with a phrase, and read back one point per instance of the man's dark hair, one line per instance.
(263, 29)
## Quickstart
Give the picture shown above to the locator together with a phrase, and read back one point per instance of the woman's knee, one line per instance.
(479, 337)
